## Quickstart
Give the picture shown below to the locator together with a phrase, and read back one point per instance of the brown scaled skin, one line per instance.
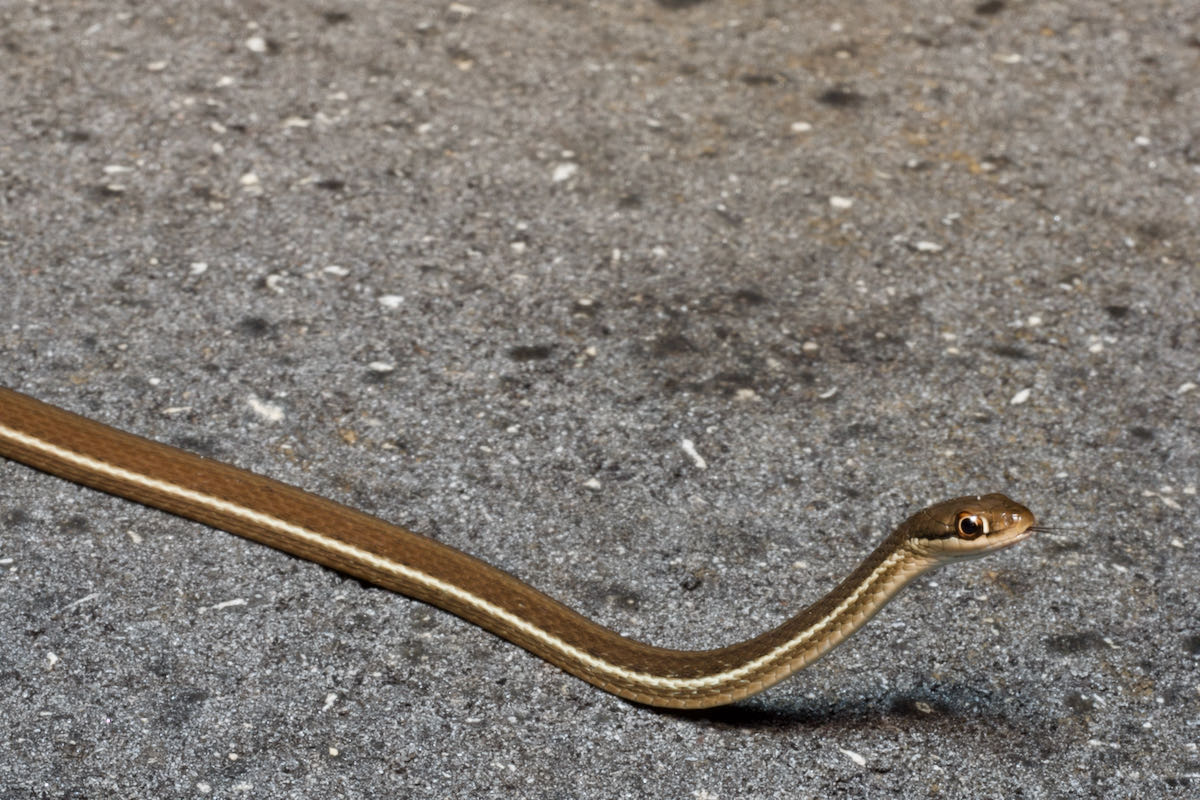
(320, 530)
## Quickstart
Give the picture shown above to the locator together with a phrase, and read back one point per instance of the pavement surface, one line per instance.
(672, 309)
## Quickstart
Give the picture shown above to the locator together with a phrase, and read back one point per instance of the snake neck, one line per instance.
(700, 679)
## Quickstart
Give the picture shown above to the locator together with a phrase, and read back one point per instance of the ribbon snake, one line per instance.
(320, 530)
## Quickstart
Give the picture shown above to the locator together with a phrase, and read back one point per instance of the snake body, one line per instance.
(317, 529)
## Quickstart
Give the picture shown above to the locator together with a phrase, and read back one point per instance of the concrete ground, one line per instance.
(486, 269)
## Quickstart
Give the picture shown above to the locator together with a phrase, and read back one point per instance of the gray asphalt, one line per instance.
(483, 268)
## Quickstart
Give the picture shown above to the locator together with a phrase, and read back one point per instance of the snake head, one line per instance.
(967, 527)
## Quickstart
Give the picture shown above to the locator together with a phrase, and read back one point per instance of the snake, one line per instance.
(357, 544)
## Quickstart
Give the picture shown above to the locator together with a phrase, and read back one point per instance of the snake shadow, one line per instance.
(931, 705)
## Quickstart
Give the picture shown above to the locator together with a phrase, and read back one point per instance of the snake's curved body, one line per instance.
(320, 530)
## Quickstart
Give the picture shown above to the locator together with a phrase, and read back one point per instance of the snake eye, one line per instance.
(971, 526)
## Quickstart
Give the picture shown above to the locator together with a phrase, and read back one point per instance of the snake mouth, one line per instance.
(1021, 525)
(1015, 538)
